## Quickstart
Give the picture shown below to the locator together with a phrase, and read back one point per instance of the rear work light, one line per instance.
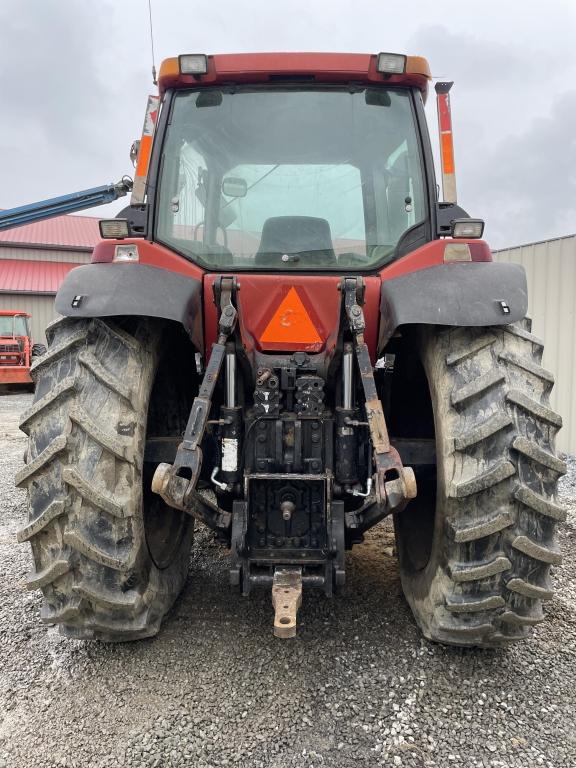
(114, 229)
(193, 64)
(126, 253)
(467, 228)
(391, 63)
(457, 252)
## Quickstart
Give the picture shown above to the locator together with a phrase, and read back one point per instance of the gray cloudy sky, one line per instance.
(74, 76)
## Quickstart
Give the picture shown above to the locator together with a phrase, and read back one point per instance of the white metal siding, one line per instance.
(44, 254)
(40, 307)
(551, 271)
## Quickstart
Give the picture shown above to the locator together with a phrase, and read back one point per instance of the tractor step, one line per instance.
(286, 599)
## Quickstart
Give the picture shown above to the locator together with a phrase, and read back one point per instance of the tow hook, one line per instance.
(286, 599)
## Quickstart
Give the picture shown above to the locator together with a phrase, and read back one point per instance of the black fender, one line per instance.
(465, 294)
(105, 290)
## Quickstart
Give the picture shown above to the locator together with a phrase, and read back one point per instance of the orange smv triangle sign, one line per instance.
(291, 322)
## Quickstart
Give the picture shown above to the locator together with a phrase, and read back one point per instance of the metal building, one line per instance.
(36, 258)
(551, 270)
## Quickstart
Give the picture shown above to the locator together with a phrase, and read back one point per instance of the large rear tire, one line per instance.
(110, 560)
(476, 547)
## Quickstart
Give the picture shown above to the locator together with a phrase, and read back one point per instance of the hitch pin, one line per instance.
(356, 492)
(355, 423)
(218, 483)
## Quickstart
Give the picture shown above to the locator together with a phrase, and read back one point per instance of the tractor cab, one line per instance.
(294, 172)
(333, 183)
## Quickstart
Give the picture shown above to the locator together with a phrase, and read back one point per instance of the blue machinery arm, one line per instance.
(57, 206)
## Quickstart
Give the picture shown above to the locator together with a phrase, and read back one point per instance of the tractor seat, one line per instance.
(305, 240)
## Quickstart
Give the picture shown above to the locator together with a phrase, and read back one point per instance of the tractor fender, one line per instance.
(465, 294)
(105, 290)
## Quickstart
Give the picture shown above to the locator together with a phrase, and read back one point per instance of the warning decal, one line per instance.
(291, 323)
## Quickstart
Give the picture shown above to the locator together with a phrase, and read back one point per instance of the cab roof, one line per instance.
(12, 313)
(332, 68)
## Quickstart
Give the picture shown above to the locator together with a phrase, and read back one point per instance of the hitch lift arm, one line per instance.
(394, 484)
(168, 481)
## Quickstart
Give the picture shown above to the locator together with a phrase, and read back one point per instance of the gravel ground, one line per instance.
(358, 687)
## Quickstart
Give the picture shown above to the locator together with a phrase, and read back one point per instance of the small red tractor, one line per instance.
(16, 348)
(287, 337)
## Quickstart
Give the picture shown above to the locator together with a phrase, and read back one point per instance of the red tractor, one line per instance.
(287, 337)
(16, 348)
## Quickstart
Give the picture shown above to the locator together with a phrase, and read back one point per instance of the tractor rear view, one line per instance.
(288, 338)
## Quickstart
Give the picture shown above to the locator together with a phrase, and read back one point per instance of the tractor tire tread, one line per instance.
(98, 370)
(482, 431)
(481, 528)
(53, 571)
(460, 572)
(58, 351)
(534, 408)
(53, 510)
(65, 386)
